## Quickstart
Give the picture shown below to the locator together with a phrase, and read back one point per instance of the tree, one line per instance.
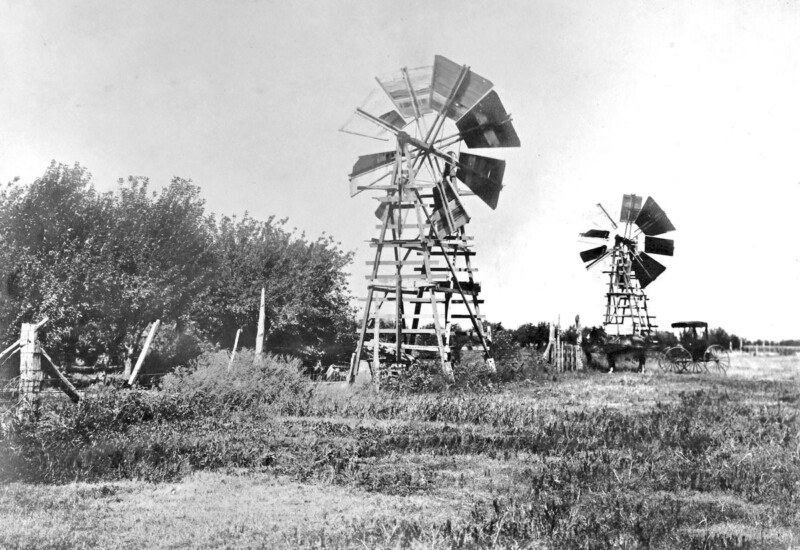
(718, 336)
(532, 335)
(307, 296)
(666, 339)
(101, 266)
(104, 265)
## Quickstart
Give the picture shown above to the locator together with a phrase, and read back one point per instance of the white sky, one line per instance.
(694, 103)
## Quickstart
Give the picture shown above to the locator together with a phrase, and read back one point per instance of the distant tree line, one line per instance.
(104, 265)
(536, 336)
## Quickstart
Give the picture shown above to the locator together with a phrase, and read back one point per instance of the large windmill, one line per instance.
(629, 268)
(422, 277)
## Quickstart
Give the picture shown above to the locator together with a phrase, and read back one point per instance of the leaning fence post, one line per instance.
(235, 345)
(261, 322)
(145, 349)
(549, 349)
(30, 370)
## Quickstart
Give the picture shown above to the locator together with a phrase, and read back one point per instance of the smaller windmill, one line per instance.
(629, 268)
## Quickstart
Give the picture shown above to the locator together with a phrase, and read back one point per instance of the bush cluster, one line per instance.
(102, 266)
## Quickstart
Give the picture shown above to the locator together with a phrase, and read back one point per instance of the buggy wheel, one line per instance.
(698, 367)
(678, 359)
(718, 358)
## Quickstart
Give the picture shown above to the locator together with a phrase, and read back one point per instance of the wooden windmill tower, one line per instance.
(422, 279)
(629, 269)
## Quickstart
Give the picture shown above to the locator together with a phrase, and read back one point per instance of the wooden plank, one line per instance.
(390, 289)
(410, 225)
(388, 242)
(458, 269)
(394, 263)
(465, 316)
(410, 246)
(406, 331)
(393, 187)
(393, 201)
(391, 345)
(10, 350)
(407, 300)
(453, 252)
(421, 280)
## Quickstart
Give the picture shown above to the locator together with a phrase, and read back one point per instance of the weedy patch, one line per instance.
(655, 461)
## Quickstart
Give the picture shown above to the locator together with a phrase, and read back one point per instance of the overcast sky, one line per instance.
(694, 103)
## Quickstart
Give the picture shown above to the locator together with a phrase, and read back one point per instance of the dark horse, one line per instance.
(616, 346)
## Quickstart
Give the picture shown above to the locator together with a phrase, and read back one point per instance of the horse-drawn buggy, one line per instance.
(693, 354)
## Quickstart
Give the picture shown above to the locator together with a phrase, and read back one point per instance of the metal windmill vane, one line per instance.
(422, 278)
(630, 270)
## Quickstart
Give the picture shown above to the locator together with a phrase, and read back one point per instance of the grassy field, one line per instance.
(576, 460)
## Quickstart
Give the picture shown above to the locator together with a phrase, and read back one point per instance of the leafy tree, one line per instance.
(570, 335)
(666, 339)
(308, 309)
(719, 337)
(102, 266)
(532, 335)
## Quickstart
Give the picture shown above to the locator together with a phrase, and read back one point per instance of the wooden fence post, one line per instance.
(262, 314)
(145, 349)
(559, 352)
(30, 371)
(235, 345)
(579, 351)
(548, 351)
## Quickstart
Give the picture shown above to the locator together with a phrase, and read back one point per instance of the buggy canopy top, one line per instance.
(690, 324)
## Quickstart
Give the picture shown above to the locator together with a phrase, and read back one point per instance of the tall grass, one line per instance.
(592, 476)
(155, 435)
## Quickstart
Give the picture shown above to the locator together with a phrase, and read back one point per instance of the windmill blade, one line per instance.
(597, 218)
(631, 205)
(654, 245)
(593, 253)
(405, 93)
(483, 176)
(646, 268)
(368, 163)
(596, 234)
(488, 124)
(379, 106)
(377, 179)
(652, 219)
(445, 78)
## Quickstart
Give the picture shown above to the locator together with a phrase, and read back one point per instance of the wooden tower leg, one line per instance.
(376, 344)
(361, 335)
(446, 367)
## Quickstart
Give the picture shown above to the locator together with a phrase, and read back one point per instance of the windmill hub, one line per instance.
(622, 241)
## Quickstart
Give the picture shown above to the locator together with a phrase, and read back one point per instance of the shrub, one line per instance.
(210, 386)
